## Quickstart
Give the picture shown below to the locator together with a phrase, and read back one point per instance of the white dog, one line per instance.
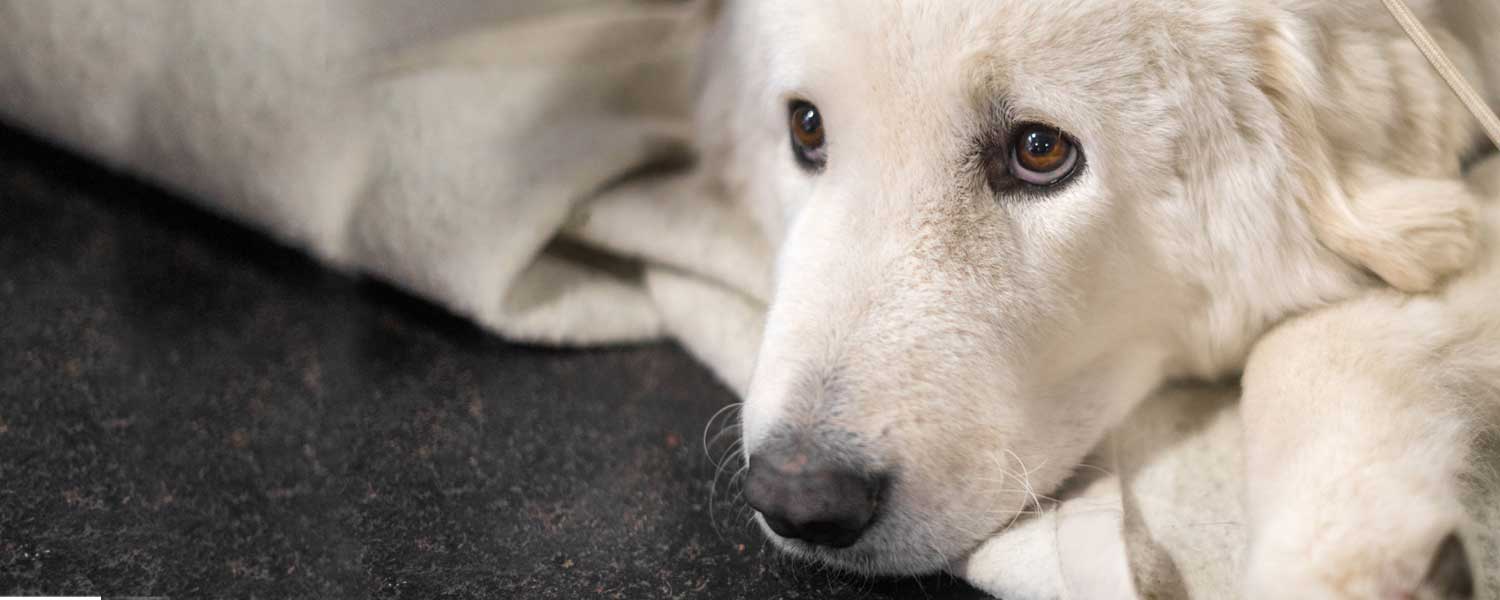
(1002, 223)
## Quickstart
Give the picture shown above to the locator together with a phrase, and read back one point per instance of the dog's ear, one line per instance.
(1410, 231)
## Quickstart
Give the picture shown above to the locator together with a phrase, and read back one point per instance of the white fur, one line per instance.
(1240, 171)
(1247, 162)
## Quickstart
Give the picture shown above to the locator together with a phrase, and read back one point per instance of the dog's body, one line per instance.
(1243, 163)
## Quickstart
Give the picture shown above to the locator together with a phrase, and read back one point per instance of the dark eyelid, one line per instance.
(990, 156)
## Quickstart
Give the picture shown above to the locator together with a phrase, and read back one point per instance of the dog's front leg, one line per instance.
(1354, 446)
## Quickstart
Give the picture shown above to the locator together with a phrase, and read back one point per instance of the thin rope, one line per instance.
(1466, 94)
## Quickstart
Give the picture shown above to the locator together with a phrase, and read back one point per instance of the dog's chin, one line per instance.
(879, 552)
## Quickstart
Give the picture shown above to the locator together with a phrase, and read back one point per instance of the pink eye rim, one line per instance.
(1042, 156)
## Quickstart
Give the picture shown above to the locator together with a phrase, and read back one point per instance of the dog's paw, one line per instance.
(1434, 570)
(1412, 233)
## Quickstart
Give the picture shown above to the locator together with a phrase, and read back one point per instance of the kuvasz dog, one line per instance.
(1002, 223)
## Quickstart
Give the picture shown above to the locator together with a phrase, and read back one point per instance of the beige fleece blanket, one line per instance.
(523, 164)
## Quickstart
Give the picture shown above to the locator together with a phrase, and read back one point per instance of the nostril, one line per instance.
(803, 498)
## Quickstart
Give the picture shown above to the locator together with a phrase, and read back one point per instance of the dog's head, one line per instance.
(1000, 224)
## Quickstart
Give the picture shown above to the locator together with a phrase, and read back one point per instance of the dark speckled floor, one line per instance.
(187, 409)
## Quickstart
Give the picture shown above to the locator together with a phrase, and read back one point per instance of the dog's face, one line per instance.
(990, 247)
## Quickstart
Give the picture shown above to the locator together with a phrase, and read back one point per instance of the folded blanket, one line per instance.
(528, 165)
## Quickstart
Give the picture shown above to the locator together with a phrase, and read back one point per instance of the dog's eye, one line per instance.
(808, 139)
(1042, 155)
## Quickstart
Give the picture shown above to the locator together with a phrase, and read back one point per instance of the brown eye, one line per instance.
(806, 125)
(1042, 155)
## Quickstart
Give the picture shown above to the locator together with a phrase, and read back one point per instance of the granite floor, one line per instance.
(190, 410)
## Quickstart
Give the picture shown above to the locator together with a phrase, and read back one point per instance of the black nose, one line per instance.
(802, 497)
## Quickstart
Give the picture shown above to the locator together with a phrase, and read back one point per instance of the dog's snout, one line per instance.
(803, 497)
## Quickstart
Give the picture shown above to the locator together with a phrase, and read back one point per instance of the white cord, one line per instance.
(1466, 94)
